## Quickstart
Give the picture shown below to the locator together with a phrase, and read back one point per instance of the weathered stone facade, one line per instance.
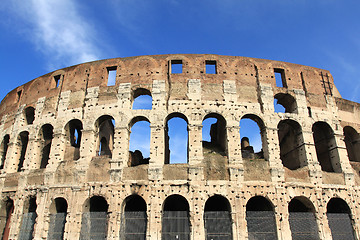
(53, 126)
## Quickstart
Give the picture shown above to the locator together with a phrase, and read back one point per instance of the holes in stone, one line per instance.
(285, 103)
(111, 72)
(18, 95)
(105, 126)
(280, 77)
(4, 148)
(176, 66)
(210, 67)
(142, 99)
(57, 80)
(29, 115)
(46, 136)
(23, 140)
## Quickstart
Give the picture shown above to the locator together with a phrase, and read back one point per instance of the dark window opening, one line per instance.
(176, 66)
(217, 218)
(175, 219)
(260, 219)
(4, 148)
(142, 99)
(251, 134)
(135, 218)
(139, 149)
(210, 67)
(23, 140)
(340, 219)
(58, 211)
(291, 142)
(325, 146)
(176, 139)
(280, 77)
(57, 80)
(111, 71)
(352, 142)
(46, 140)
(309, 111)
(6, 212)
(98, 204)
(285, 103)
(18, 95)
(73, 134)
(106, 129)
(28, 220)
(30, 115)
(94, 218)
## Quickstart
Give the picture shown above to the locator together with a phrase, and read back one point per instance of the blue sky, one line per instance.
(39, 36)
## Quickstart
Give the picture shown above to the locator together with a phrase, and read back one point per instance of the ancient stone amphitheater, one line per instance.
(67, 171)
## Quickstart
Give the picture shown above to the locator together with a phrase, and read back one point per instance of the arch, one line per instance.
(105, 127)
(253, 129)
(3, 149)
(28, 219)
(134, 218)
(302, 219)
(325, 146)
(6, 212)
(217, 218)
(176, 138)
(352, 142)
(142, 99)
(23, 140)
(214, 133)
(46, 135)
(94, 218)
(29, 113)
(175, 218)
(287, 102)
(260, 218)
(291, 142)
(73, 137)
(58, 212)
(139, 144)
(339, 214)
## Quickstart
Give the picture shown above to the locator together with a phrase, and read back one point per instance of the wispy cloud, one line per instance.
(58, 30)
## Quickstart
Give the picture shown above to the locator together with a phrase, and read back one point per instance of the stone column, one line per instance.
(236, 165)
(343, 159)
(271, 150)
(120, 154)
(196, 172)
(39, 228)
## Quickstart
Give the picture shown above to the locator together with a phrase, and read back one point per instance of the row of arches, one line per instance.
(217, 217)
(214, 136)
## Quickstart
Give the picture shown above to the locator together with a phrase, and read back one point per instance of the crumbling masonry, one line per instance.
(67, 171)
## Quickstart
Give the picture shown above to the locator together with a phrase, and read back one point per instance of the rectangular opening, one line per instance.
(176, 66)
(309, 111)
(18, 95)
(111, 76)
(280, 77)
(210, 66)
(57, 80)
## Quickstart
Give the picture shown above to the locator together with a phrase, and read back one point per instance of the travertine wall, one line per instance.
(240, 88)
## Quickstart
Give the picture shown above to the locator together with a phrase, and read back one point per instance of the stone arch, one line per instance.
(141, 99)
(302, 218)
(181, 132)
(139, 143)
(326, 149)
(217, 132)
(287, 101)
(175, 218)
(58, 211)
(73, 132)
(260, 218)
(28, 219)
(46, 134)
(4, 149)
(6, 212)
(94, 218)
(291, 143)
(217, 218)
(248, 151)
(352, 142)
(134, 218)
(339, 214)
(29, 114)
(105, 128)
(22, 140)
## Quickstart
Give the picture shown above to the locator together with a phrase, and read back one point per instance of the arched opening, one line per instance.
(302, 219)
(46, 136)
(58, 211)
(291, 142)
(284, 102)
(252, 134)
(139, 149)
(326, 149)
(214, 133)
(73, 137)
(3, 149)
(29, 115)
(105, 142)
(260, 219)
(134, 218)
(217, 218)
(352, 142)
(6, 211)
(175, 218)
(28, 219)
(176, 139)
(339, 219)
(94, 218)
(23, 140)
(142, 99)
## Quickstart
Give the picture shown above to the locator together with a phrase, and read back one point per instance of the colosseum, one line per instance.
(68, 172)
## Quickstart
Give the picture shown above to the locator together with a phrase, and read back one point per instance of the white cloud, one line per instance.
(58, 30)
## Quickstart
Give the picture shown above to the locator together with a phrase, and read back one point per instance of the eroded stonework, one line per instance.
(65, 152)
